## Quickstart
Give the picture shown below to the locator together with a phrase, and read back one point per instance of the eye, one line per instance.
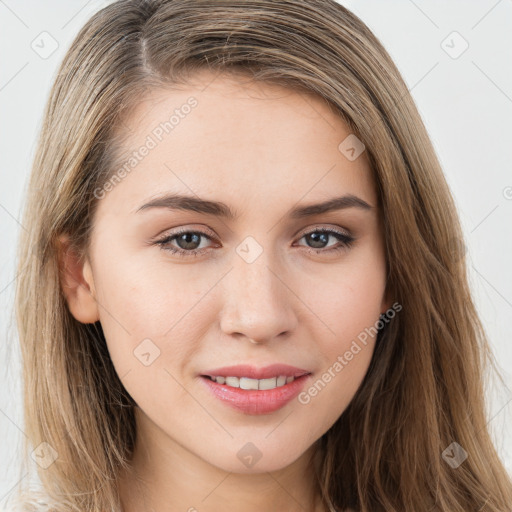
(320, 238)
(188, 242)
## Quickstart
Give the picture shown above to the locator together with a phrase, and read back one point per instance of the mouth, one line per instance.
(238, 388)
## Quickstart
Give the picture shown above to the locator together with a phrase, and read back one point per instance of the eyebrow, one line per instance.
(220, 209)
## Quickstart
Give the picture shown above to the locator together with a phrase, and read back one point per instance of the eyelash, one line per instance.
(346, 242)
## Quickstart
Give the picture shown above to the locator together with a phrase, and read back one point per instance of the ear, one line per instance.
(77, 283)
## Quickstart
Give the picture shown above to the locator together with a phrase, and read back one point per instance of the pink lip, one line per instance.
(245, 370)
(251, 401)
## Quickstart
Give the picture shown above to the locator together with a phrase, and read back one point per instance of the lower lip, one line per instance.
(252, 401)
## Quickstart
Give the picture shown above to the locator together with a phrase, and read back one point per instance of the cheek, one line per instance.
(349, 303)
(147, 307)
(346, 355)
(348, 300)
(148, 329)
(144, 294)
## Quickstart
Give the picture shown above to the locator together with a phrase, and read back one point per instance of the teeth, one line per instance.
(233, 382)
(247, 383)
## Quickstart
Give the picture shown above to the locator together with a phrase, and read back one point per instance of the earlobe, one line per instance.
(77, 284)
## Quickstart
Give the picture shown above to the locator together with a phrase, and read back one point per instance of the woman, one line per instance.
(242, 285)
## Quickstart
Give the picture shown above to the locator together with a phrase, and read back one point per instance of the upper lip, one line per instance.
(266, 372)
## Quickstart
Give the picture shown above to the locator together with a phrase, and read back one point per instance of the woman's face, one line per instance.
(233, 171)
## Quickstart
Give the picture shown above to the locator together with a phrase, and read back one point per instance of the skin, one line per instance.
(262, 150)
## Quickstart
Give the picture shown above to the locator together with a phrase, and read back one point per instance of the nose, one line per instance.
(258, 302)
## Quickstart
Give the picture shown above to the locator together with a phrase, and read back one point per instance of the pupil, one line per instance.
(186, 237)
(323, 237)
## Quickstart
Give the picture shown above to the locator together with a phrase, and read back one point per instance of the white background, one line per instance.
(465, 102)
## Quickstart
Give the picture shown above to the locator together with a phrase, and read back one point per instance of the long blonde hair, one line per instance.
(425, 387)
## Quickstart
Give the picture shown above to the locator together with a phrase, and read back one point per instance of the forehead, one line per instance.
(221, 135)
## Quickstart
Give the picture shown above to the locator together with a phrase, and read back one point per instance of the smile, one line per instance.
(241, 394)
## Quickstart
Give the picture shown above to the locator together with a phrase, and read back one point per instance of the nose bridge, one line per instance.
(257, 303)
